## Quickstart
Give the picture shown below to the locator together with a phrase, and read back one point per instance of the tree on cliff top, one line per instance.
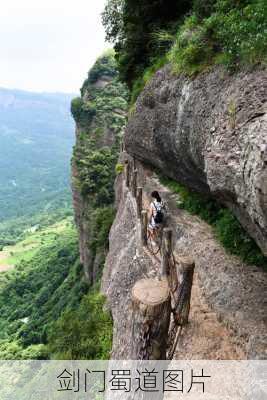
(105, 65)
(192, 35)
(130, 24)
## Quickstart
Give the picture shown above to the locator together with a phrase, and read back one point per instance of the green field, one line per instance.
(25, 249)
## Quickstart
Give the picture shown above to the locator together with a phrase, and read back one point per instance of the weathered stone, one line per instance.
(209, 133)
(224, 288)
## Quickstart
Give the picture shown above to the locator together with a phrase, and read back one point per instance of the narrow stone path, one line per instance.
(228, 317)
(228, 308)
(204, 337)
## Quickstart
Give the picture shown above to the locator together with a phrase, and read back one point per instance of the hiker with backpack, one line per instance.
(156, 213)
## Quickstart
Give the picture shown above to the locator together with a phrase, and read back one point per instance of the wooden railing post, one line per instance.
(183, 295)
(134, 163)
(134, 183)
(166, 252)
(151, 319)
(127, 173)
(144, 222)
(139, 201)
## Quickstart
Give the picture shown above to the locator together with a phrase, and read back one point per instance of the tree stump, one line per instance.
(127, 173)
(183, 294)
(166, 252)
(144, 222)
(134, 163)
(139, 201)
(151, 319)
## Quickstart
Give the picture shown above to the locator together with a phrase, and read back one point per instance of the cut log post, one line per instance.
(183, 294)
(139, 201)
(134, 183)
(151, 319)
(166, 252)
(127, 173)
(144, 222)
(134, 163)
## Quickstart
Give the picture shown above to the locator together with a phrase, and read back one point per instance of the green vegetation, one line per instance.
(82, 111)
(46, 294)
(227, 228)
(97, 173)
(100, 114)
(34, 237)
(119, 168)
(102, 219)
(96, 152)
(226, 32)
(83, 334)
(17, 229)
(131, 24)
(36, 139)
(105, 106)
(148, 73)
(47, 308)
(34, 294)
(104, 67)
(191, 35)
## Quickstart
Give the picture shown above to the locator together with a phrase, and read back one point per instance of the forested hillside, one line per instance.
(50, 308)
(36, 138)
(47, 308)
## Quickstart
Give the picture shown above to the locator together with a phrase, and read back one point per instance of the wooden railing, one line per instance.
(161, 305)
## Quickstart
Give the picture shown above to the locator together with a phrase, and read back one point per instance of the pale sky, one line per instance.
(49, 45)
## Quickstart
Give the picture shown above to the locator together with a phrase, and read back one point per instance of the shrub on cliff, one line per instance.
(84, 334)
(228, 32)
(130, 24)
(97, 146)
(233, 34)
(97, 174)
(105, 66)
(83, 112)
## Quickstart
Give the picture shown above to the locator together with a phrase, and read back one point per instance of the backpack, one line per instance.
(159, 217)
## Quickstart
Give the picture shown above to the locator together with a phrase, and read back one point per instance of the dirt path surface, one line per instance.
(204, 337)
(228, 309)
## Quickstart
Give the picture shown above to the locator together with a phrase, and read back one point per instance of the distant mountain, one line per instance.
(36, 139)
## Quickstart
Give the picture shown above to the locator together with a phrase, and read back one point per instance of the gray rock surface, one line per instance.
(209, 133)
(228, 308)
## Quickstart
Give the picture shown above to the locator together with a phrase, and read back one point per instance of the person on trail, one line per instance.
(156, 214)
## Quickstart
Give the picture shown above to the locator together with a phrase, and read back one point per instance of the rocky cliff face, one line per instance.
(100, 115)
(209, 133)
